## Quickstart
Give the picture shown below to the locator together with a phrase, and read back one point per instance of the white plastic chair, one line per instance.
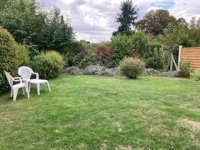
(15, 87)
(26, 72)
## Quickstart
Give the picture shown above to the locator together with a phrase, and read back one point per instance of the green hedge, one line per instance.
(8, 59)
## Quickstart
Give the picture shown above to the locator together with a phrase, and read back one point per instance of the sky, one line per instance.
(95, 20)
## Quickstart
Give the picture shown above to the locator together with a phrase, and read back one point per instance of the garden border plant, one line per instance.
(8, 60)
(132, 67)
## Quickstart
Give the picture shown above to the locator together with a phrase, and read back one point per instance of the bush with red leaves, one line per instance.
(103, 54)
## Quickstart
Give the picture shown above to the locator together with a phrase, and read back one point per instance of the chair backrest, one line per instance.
(9, 78)
(25, 72)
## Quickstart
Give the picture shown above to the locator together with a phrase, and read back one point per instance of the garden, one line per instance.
(121, 94)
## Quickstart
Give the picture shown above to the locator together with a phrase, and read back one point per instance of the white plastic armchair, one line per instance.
(15, 87)
(26, 72)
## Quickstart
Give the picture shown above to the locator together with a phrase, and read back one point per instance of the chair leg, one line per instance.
(27, 90)
(48, 86)
(23, 91)
(15, 91)
(29, 87)
(38, 88)
(28, 95)
(11, 93)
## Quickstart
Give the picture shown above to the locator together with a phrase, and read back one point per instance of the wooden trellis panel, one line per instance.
(192, 55)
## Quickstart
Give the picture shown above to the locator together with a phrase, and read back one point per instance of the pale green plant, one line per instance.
(196, 75)
(22, 54)
(132, 67)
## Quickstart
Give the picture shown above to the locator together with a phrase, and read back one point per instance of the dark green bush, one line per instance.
(80, 54)
(121, 45)
(185, 69)
(33, 50)
(8, 59)
(127, 46)
(74, 54)
(156, 58)
(150, 58)
(132, 67)
(48, 65)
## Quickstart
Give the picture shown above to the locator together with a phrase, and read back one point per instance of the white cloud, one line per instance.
(186, 9)
(94, 20)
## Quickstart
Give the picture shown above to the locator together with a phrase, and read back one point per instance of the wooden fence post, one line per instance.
(179, 56)
(171, 62)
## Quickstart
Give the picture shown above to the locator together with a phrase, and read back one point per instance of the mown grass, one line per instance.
(104, 113)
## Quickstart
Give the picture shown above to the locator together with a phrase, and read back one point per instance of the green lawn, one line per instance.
(104, 113)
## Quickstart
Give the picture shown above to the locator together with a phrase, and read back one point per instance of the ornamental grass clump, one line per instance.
(132, 67)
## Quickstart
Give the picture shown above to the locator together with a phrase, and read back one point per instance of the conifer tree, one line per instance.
(126, 18)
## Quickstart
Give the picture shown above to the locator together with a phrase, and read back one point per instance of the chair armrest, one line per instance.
(17, 79)
(37, 75)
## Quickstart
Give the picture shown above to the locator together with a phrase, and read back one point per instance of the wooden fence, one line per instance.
(190, 54)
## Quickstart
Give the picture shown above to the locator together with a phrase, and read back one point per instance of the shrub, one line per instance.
(74, 54)
(185, 69)
(140, 41)
(33, 50)
(56, 59)
(121, 45)
(94, 70)
(73, 70)
(48, 65)
(127, 46)
(150, 57)
(110, 72)
(90, 59)
(196, 75)
(156, 57)
(22, 55)
(103, 54)
(132, 67)
(8, 59)
(41, 64)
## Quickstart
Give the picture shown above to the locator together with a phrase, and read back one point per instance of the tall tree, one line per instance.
(24, 20)
(126, 18)
(182, 21)
(38, 29)
(194, 30)
(155, 21)
(57, 32)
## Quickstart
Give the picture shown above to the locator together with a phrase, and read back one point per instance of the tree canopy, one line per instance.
(24, 20)
(155, 21)
(57, 32)
(175, 36)
(30, 24)
(126, 18)
(194, 30)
